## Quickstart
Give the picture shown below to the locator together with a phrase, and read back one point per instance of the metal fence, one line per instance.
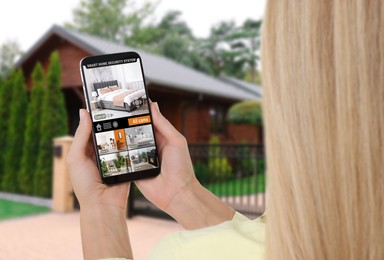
(233, 172)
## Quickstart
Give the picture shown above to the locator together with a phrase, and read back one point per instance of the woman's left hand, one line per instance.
(102, 208)
(86, 181)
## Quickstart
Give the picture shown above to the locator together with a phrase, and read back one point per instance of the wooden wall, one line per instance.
(188, 112)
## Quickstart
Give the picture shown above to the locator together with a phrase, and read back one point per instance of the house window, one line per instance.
(217, 120)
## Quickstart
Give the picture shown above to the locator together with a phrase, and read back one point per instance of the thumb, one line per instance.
(162, 125)
(83, 132)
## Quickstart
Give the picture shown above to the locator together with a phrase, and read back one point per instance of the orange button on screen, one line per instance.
(139, 120)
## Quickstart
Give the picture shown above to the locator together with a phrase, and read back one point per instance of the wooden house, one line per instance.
(194, 102)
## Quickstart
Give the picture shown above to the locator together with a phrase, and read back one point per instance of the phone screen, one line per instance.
(117, 99)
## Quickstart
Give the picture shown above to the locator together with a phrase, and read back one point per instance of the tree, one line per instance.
(15, 133)
(6, 87)
(233, 50)
(9, 52)
(247, 43)
(229, 50)
(215, 48)
(170, 37)
(32, 134)
(110, 19)
(177, 42)
(58, 113)
(53, 124)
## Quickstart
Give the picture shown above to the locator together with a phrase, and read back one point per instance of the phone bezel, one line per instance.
(131, 176)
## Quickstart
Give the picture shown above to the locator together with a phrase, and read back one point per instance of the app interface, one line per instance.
(121, 120)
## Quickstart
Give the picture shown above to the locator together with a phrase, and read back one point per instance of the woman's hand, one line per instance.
(176, 167)
(102, 208)
(86, 181)
(176, 190)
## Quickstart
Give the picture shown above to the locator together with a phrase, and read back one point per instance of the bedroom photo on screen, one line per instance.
(116, 90)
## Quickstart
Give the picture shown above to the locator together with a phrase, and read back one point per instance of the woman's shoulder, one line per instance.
(240, 238)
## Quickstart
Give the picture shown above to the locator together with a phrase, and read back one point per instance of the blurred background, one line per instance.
(201, 64)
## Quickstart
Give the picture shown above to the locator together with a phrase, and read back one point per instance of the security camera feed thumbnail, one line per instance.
(127, 150)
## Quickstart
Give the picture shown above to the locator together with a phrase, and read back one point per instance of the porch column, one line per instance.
(62, 194)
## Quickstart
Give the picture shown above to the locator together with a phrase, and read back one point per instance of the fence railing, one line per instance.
(233, 172)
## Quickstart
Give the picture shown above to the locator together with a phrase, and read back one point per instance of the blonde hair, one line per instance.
(323, 78)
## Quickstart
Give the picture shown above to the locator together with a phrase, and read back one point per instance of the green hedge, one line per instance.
(28, 129)
(246, 112)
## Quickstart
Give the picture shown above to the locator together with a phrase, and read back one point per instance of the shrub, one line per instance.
(53, 124)
(261, 166)
(246, 112)
(247, 163)
(218, 165)
(104, 167)
(30, 149)
(5, 106)
(15, 133)
(201, 173)
(117, 164)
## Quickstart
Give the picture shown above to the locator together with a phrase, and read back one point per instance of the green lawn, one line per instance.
(239, 187)
(11, 209)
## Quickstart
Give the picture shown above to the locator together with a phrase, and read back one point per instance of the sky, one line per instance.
(25, 21)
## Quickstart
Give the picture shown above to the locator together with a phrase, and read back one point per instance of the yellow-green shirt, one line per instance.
(240, 238)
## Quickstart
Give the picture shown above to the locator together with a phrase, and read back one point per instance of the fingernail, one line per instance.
(157, 106)
(81, 114)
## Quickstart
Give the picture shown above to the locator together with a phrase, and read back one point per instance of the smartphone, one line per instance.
(116, 97)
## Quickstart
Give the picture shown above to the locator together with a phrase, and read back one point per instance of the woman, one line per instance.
(176, 191)
(323, 79)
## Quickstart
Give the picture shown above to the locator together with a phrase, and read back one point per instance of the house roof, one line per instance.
(158, 69)
(254, 89)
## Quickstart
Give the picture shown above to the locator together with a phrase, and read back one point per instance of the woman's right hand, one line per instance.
(176, 190)
(177, 173)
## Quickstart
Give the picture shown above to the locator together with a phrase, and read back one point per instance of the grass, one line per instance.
(11, 209)
(239, 187)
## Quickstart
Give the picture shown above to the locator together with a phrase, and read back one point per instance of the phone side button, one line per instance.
(86, 104)
(85, 95)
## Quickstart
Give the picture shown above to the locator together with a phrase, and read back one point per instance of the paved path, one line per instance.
(57, 236)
